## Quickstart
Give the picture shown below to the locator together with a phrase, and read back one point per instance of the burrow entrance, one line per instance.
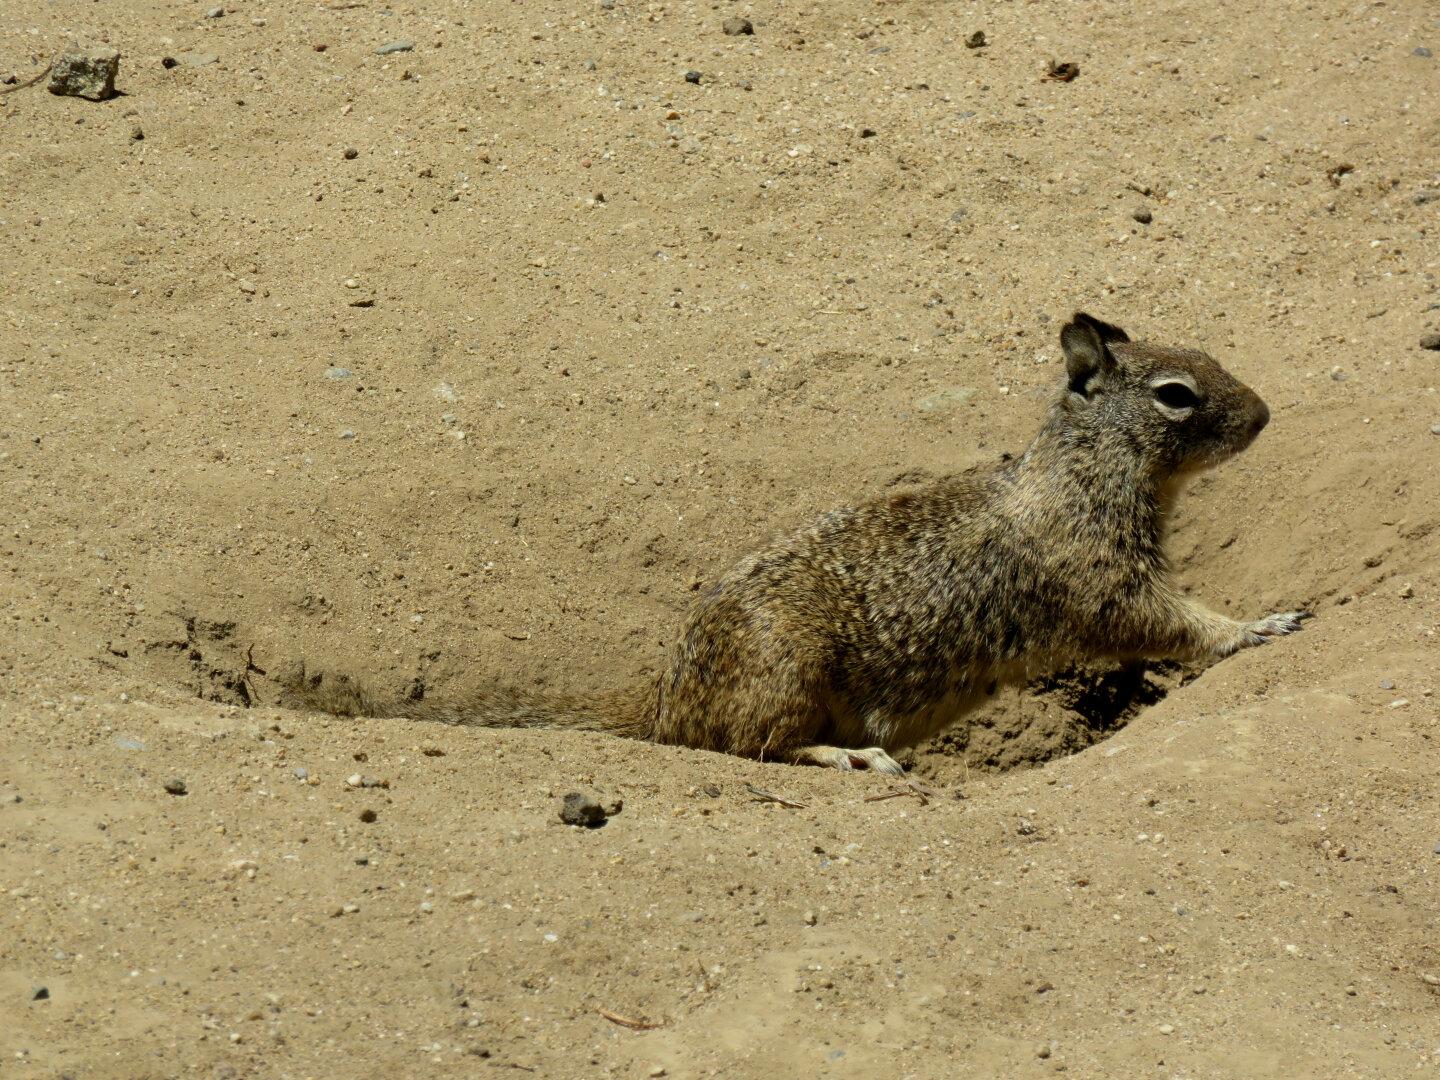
(1050, 717)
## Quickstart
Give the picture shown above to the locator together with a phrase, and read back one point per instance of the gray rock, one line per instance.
(736, 27)
(87, 73)
(338, 373)
(1142, 214)
(577, 808)
(1426, 195)
(1431, 342)
(176, 786)
(976, 40)
(394, 46)
(1422, 51)
(692, 77)
(215, 13)
(198, 59)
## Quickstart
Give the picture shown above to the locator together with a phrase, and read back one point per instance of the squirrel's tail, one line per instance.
(628, 712)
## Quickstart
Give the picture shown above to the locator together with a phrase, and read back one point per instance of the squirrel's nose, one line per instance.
(1262, 417)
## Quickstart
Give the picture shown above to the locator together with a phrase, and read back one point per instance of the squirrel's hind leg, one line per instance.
(835, 757)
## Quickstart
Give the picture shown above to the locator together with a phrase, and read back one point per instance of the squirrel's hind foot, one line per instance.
(834, 757)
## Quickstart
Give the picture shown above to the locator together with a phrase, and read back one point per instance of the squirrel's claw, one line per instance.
(1280, 624)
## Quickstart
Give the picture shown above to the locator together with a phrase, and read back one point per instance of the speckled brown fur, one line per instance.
(879, 624)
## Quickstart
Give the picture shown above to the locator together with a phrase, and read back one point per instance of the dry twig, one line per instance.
(629, 1021)
(910, 787)
(769, 796)
(28, 82)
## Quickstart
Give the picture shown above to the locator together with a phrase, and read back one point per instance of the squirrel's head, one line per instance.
(1180, 408)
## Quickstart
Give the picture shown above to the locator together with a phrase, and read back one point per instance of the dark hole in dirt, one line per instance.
(210, 661)
(1051, 717)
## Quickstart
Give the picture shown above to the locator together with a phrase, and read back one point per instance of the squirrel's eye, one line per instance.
(1176, 395)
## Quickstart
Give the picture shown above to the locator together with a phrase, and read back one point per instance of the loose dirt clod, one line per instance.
(583, 810)
(85, 73)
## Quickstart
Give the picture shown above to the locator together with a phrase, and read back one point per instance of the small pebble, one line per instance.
(1142, 214)
(1421, 50)
(577, 808)
(176, 786)
(976, 40)
(810, 918)
(40, 993)
(736, 27)
(350, 153)
(1043, 1050)
(658, 1070)
(338, 373)
(692, 77)
(868, 133)
(301, 772)
(215, 13)
(394, 47)
(1167, 1029)
(249, 288)
(1025, 827)
(1435, 429)
(1431, 342)
(1430, 980)
(368, 816)
(137, 133)
(347, 433)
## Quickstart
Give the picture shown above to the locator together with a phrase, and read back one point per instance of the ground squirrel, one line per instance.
(879, 624)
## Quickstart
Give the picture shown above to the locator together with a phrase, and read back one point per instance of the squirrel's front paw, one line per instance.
(1277, 625)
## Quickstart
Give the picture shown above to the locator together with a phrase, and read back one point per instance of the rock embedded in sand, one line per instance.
(577, 808)
(85, 73)
(176, 786)
(1431, 342)
(394, 47)
(737, 27)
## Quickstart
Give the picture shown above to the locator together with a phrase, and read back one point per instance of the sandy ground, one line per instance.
(474, 361)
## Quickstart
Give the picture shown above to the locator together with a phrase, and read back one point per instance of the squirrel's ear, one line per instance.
(1085, 342)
